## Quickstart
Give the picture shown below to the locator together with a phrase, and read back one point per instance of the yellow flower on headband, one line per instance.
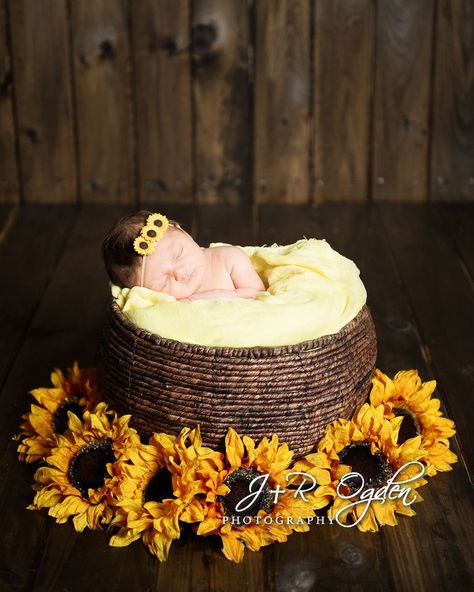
(143, 246)
(157, 221)
(153, 231)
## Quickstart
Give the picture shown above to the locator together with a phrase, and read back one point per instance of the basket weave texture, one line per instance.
(293, 391)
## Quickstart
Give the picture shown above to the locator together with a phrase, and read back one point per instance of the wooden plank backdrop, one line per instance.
(236, 101)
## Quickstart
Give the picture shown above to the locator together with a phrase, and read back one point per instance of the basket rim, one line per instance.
(229, 351)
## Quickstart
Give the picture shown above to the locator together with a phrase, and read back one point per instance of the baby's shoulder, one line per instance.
(228, 254)
(226, 251)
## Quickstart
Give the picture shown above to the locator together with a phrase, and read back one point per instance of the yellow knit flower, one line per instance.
(82, 470)
(74, 392)
(269, 516)
(143, 246)
(157, 489)
(158, 221)
(408, 397)
(151, 233)
(367, 445)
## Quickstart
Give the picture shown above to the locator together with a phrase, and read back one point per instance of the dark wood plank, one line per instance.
(28, 257)
(43, 100)
(160, 42)
(9, 187)
(67, 553)
(395, 558)
(220, 40)
(450, 525)
(452, 151)
(443, 303)
(229, 224)
(404, 46)
(342, 86)
(8, 214)
(102, 89)
(282, 102)
(458, 219)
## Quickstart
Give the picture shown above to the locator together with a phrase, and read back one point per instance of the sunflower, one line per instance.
(157, 488)
(317, 466)
(367, 445)
(82, 469)
(151, 233)
(158, 221)
(407, 397)
(75, 392)
(271, 514)
(143, 246)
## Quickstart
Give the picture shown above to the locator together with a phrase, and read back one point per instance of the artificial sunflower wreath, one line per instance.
(95, 469)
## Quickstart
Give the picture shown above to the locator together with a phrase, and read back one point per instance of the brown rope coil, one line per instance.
(293, 391)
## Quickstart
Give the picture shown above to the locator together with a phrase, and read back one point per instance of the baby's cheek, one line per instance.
(180, 292)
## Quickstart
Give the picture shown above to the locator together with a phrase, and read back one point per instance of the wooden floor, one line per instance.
(417, 263)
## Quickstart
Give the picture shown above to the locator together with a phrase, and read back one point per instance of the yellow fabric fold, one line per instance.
(312, 291)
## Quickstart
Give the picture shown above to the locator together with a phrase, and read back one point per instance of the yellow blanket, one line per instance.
(312, 291)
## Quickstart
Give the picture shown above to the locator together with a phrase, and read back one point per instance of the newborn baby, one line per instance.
(178, 266)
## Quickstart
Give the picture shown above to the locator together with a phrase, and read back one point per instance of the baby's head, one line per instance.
(176, 266)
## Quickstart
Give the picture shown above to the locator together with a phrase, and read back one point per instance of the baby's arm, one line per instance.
(246, 280)
(242, 272)
(212, 294)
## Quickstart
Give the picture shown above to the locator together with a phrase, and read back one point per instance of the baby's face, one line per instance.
(176, 267)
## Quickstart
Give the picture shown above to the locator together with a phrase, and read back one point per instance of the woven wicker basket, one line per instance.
(294, 390)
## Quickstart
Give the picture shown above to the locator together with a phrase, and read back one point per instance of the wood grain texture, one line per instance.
(218, 224)
(400, 144)
(40, 46)
(458, 219)
(220, 40)
(443, 300)
(452, 153)
(160, 41)
(282, 102)
(102, 89)
(8, 214)
(9, 186)
(29, 253)
(197, 564)
(342, 87)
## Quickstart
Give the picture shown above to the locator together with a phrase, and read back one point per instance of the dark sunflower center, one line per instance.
(88, 468)
(60, 417)
(159, 487)
(373, 467)
(409, 427)
(239, 484)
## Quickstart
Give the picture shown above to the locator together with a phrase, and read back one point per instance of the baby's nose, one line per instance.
(180, 273)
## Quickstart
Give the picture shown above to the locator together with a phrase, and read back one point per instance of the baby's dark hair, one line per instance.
(119, 255)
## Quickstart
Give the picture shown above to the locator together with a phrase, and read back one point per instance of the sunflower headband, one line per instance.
(153, 231)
